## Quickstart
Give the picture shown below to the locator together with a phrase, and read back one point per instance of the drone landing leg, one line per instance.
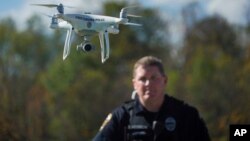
(66, 50)
(104, 41)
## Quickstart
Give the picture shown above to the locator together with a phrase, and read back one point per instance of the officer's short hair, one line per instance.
(150, 61)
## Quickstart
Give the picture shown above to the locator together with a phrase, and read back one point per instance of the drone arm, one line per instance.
(104, 41)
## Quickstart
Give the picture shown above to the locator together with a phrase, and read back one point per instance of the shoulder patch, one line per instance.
(106, 121)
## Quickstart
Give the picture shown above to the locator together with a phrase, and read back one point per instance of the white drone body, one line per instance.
(87, 25)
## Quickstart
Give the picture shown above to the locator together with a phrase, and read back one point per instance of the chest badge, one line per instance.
(170, 124)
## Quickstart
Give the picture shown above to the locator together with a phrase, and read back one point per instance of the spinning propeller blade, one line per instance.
(124, 12)
(46, 5)
(133, 24)
(46, 15)
(128, 7)
(60, 7)
(124, 16)
(135, 16)
(53, 5)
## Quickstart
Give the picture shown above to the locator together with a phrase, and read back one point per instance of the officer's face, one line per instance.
(149, 84)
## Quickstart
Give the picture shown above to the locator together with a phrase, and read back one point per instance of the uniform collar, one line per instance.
(138, 108)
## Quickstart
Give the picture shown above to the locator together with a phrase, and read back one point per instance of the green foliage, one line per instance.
(213, 60)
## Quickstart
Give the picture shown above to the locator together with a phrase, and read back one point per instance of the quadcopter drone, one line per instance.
(86, 25)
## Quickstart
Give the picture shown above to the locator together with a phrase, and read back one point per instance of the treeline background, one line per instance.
(43, 97)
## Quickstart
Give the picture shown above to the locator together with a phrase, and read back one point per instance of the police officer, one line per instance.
(152, 115)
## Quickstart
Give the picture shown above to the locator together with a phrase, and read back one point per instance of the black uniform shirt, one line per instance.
(175, 121)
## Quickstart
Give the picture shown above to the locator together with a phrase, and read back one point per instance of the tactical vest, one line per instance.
(139, 129)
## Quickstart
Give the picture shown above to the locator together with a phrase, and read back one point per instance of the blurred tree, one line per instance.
(9, 75)
(209, 75)
(24, 54)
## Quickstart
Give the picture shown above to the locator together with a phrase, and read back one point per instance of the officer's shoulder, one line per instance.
(123, 108)
(182, 105)
(128, 105)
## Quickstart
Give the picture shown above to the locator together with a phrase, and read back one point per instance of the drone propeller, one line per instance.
(124, 14)
(133, 24)
(128, 7)
(46, 5)
(135, 16)
(53, 5)
(60, 7)
(46, 15)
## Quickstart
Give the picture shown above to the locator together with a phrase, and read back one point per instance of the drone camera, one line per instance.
(87, 47)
